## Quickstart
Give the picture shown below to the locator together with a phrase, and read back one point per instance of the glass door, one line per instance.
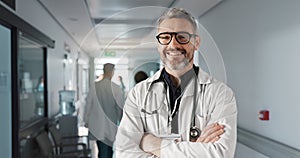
(31, 81)
(5, 92)
(31, 61)
(23, 85)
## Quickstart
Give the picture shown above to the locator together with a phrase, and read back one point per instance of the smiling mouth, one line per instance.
(175, 53)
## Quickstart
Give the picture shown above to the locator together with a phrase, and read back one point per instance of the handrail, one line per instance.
(265, 145)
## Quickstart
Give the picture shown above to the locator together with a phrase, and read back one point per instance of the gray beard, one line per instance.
(179, 66)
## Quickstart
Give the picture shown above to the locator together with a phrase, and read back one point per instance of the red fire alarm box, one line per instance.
(264, 115)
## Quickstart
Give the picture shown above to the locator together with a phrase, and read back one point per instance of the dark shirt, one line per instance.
(175, 92)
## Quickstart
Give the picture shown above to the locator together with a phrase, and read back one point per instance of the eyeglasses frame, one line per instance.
(175, 33)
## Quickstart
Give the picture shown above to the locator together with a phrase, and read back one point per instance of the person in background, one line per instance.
(99, 78)
(122, 86)
(180, 111)
(103, 111)
(40, 85)
(140, 76)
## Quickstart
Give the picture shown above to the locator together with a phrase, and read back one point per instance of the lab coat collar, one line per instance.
(203, 78)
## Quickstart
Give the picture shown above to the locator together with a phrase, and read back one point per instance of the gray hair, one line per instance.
(178, 13)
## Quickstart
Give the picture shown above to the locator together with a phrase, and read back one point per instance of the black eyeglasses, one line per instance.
(165, 38)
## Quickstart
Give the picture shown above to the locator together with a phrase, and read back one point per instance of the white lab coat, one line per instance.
(103, 109)
(147, 110)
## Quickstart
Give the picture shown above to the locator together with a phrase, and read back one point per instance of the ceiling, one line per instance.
(126, 27)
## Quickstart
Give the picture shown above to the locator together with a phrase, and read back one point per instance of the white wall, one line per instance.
(259, 42)
(32, 12)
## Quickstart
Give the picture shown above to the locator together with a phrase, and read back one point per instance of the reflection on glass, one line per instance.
(5, 92)
(31, 81)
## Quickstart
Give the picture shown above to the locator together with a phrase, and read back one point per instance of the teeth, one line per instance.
(174, 53)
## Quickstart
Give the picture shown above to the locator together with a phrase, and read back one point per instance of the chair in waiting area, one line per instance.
(80, 144)
(51, 150)
(46, 147)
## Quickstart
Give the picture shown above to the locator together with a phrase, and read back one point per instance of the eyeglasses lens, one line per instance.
(181, 37)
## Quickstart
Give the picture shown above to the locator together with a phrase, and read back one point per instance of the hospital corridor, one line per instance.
(149, 78)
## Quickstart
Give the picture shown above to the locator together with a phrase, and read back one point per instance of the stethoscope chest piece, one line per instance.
(194, 133)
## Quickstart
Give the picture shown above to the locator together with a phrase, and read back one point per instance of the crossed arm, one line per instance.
(210, 134)
(216, 140)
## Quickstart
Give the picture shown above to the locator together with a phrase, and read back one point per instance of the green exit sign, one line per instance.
(110, 54)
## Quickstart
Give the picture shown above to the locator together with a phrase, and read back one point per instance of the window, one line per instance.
(31, 81)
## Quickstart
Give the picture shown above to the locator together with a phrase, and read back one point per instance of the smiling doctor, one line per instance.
(180, 111)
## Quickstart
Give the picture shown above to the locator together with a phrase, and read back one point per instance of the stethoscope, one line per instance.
(195, 131)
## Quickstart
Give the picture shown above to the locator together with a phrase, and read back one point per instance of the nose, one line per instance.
(174, 42)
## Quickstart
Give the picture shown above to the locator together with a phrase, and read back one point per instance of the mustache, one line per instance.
(182, 51)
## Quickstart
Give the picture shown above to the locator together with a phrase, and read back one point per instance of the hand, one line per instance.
(151, 144)
(211, 133)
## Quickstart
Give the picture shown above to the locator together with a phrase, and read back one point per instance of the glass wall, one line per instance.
(23, 85)
(5, 92)
(31, 81)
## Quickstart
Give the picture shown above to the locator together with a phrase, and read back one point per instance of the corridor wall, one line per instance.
(259, 43)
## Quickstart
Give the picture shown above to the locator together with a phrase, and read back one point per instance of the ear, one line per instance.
(197, 42)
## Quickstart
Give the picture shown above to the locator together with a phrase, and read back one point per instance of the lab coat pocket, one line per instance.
(154, 115)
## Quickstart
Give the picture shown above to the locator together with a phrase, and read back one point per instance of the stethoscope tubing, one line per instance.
(195, 101)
